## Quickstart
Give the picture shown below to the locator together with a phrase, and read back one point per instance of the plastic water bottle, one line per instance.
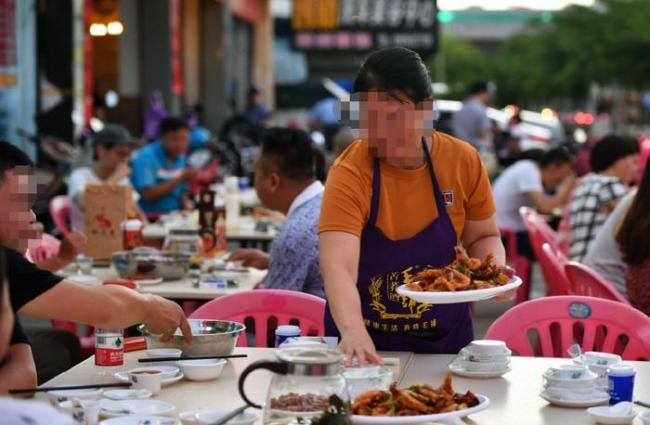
(284, 332)
(620, 380)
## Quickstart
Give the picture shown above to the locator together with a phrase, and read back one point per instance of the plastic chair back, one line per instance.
(547, 327)
(552, 264)
(60, 212)
(267, 309)
(585, 281)
(518, 262)
(86, 339)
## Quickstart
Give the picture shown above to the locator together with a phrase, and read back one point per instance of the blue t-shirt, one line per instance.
(151, 167)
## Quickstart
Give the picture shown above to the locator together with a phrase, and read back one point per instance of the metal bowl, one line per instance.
(211, 338)
(151, 262)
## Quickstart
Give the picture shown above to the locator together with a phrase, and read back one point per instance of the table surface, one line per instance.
(514, 397)
(156, 232)
(183, 290)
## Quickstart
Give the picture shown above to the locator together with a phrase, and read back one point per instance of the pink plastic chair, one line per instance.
(264, 307)
(552, 263)
(518, 262)
(60, 212)
(538, 230)
(86, 339)
(547, 327)
(585, 281)
(48, 247)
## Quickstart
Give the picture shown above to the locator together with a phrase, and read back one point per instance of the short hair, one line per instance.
(292, 151)
(556, 156)
(610, 149)
(12, 157)
(478, 87)
(171, 124)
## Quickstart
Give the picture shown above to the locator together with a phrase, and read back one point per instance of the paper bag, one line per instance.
(106, 207)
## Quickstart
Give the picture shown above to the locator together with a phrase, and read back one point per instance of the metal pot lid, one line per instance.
(310, 355)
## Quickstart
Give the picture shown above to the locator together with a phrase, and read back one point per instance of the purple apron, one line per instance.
(397, 323)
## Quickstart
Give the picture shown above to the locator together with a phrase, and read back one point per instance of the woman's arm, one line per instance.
(339, 262)
(18, 370)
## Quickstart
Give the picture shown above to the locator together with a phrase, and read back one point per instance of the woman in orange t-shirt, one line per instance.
(398, 200)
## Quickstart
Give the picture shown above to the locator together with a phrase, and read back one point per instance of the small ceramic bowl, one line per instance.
(468, 355)
(604, 415)
(472, 366)
(594, 358)
(84, 411)
(60, 396)
(202, 370)
(487, 346)
(645, 417)
(569, 376)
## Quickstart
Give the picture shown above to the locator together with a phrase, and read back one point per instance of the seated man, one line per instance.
(39, 293)
(285, 181)
(160, 169)
(113, 147)
(15, 411)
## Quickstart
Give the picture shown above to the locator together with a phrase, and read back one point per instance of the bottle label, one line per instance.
(109, 350)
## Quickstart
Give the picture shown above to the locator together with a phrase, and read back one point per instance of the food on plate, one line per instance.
(463, 274)
(412, 401)
(294, 402)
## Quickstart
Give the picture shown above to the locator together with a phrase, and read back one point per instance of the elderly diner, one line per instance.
(407, 282)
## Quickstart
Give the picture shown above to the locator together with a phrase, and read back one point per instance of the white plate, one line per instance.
(602, 415)
(245, 418)
(124, 377)
(127, 394)
(84, 279)
(459, 370)
(484, 402)
(447, 297)
(112, 408)
(575, 403)
(140, 420)
(145, 282)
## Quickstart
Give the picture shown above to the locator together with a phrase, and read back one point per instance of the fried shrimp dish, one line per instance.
(412, 401)
(463, 274)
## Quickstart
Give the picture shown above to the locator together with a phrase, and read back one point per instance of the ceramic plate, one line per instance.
(603, 415)
(140, 420)
(111, 408)
(459, 370)
(434, 297)
(484, 402)
(145, 282)
(245, 418)
(127, 394)
(124, 377)
(596, 401)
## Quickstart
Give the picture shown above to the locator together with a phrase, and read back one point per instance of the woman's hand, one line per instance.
(358, 344)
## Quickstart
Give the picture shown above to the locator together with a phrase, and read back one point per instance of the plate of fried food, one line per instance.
(415, 404)
(466, 279)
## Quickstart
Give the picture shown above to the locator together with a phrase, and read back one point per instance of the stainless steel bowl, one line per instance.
(151, 262)
(211, 338)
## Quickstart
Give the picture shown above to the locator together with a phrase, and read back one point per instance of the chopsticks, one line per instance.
(70, 387)
(230, 415)
(171, 359)
(641, 403)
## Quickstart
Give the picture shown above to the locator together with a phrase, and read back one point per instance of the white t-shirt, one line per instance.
(511, 190)
(77, 184)
(31, 412)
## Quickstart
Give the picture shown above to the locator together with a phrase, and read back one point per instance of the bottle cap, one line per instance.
(288, 330)
(621, 370)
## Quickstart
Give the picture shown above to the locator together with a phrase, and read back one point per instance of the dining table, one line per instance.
(514, 397)
(246, 236)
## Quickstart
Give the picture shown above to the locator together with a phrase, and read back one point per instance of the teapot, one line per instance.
(304, 380)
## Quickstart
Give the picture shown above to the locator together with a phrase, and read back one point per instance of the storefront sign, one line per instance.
(364, 24)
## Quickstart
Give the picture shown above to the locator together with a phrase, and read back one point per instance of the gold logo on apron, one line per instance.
(379, 291)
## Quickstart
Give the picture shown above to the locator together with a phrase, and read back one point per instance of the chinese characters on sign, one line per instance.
(8, 63)
(364, 24)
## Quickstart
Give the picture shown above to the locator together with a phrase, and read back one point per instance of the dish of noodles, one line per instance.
(415, 404)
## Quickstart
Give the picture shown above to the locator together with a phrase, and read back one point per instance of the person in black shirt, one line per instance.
(41, 294)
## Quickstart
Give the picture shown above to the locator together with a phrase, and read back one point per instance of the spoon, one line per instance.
(575, 351)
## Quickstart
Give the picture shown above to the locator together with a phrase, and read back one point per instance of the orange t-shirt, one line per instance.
(407, 204)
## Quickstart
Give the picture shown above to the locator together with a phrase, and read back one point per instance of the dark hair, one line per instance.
(631, 236)
(12, 157)
(478, 87)
(544, 158)
(610, 149)
(395, 69)
(171, 124)
(292, 152)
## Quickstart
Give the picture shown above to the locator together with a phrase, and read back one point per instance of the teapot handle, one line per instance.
(280, 368)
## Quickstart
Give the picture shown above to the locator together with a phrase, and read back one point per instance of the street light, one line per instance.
(98, 30)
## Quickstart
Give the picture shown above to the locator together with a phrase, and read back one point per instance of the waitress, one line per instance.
(396, 201)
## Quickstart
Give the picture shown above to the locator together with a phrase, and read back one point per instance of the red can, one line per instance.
(109, 347)
(132, 234)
